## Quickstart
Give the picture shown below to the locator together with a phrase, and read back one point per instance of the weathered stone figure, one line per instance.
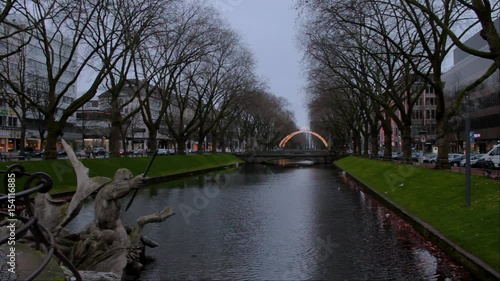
(107, 201)
(105, 245)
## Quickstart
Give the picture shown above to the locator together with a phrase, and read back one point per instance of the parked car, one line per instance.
(162, 151)
(61, 153)
(99, 151)
(124, 152)
(37, 153)
(415, 155)
(24, 154)
(473, 159)
(452, 156)
(483, 163)
(396, 155)
(493, 156)
(81, 153)
(139, 152)
(430, 158)
(455, 162)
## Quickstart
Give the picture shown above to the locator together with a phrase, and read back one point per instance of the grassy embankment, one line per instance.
(438, 198)
(64, 176)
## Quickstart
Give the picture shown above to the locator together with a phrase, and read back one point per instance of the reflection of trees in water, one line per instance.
(426, 254)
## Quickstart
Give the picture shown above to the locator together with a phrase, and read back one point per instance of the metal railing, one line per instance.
(35, 182)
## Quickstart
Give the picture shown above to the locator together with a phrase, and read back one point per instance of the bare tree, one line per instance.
(79, 38)
(13, 26)
(221, 86)
(177, 56)
(366, 60)
(484, 11)
(393, 21)
(126, 82)
(265, 119)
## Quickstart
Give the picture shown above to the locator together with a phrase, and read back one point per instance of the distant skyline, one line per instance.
(268, 29)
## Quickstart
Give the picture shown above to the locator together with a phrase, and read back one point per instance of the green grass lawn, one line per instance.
(438, 197)
(64, 176)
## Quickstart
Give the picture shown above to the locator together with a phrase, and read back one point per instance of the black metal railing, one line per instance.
(35, 182)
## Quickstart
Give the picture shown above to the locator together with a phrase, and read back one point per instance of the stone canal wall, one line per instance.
(473, 264)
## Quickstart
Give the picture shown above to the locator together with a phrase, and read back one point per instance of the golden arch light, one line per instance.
(288, 137)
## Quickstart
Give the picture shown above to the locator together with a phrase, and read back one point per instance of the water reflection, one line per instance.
(268, 222)
(292, 163)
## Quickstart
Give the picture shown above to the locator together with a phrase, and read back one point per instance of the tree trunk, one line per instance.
(201, 142)
(152, 138)
(23, 137)
(406, 143)
(374, 139)
(356, 138)
(54, 130)
(114, 138)
(181, 145)
(387, 140)
(442, 143)
(214, 144)
(42, 139)
(116, 128)
(365, 143)
(124, 142)
(441, 127)
(222, 143)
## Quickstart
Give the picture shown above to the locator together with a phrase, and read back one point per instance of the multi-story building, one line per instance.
(136, 132)
(424, 120)
(94, 125)
(483, 102)
(28, 69)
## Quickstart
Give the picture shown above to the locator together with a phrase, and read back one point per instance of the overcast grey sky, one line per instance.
(268, 28)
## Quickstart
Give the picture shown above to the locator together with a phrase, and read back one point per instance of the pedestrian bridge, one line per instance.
(316, 156)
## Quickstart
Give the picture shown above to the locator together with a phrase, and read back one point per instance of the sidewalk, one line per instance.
(27, 261)
(494, 174)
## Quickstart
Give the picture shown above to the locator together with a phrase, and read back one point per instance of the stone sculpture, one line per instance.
(105, 245)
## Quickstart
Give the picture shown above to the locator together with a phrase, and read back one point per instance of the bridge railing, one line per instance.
(12, 204)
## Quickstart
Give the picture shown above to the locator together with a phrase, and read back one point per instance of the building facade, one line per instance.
(28, 70)
(483, 102)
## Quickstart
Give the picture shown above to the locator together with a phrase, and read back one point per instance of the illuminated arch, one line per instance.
(287, 138)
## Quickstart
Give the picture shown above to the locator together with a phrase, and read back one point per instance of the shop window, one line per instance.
(12, 122)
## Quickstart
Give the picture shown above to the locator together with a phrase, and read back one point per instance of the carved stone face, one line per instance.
(123, 174)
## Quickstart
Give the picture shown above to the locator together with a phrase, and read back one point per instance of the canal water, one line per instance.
(271, 222)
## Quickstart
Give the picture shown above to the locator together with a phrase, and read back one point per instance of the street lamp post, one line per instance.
(467, 151)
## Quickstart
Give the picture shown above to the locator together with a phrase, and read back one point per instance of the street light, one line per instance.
(467, 151)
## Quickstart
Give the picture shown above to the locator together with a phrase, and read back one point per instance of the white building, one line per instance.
(28, 68)
(135, 130)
